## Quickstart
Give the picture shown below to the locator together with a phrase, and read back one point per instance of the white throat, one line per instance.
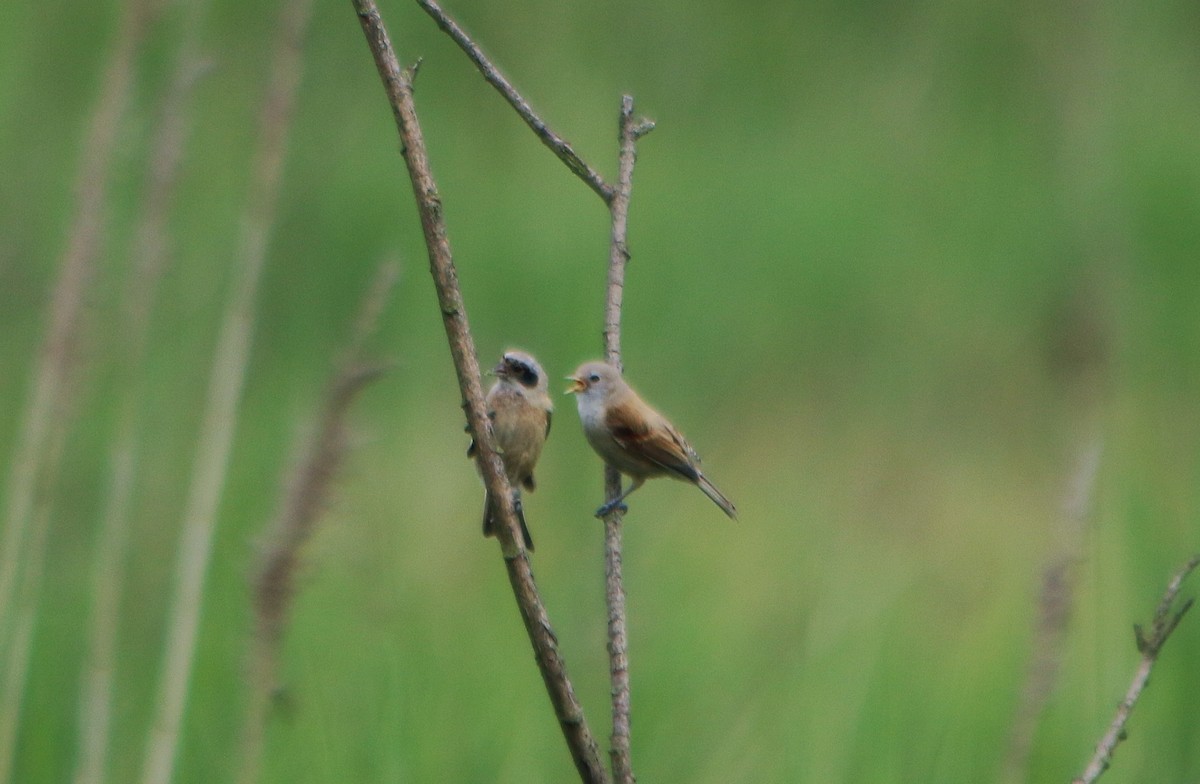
(591, 407)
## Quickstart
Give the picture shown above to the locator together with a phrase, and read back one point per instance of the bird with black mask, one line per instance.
(519, 407)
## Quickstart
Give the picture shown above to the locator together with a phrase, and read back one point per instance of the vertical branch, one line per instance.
(1149, 645)
(614, 588)
(303, 500)
(618, 249)
(224, 393)
(398, 85)
(48, 409)
(150, 256)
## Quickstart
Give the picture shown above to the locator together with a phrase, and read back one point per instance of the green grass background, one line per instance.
(892, 265)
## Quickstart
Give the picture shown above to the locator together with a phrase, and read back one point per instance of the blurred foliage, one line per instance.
(893, 265)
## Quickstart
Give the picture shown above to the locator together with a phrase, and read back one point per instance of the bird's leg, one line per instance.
(610, 506)
(616, 502)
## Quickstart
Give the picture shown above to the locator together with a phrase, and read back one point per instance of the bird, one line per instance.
(520, 409)
(632, 437)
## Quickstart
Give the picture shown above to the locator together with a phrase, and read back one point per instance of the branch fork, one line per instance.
(1149, 645)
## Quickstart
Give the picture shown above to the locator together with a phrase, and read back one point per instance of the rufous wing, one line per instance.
(653, 440)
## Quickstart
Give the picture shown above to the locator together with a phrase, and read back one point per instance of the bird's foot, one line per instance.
(611, 506)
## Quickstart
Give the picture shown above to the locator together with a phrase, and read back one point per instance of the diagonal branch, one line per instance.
(561, 147)
(398, 85)
(1166, 618)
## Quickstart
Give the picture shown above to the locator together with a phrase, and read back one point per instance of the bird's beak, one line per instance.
(575, 386)
(499, 370)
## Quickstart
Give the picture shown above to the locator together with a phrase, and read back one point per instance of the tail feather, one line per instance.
(717, 497)
(490, 522)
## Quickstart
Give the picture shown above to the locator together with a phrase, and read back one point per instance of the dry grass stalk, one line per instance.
(16, 664)
(50, 404)
(56, 355)
(224, 393)
(150, 257)
(303, 499)
(1056, 602)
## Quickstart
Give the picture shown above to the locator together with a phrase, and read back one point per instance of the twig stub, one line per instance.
(1149, 645)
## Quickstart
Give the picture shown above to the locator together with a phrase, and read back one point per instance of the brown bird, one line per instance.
(519, 407)
(632, 437)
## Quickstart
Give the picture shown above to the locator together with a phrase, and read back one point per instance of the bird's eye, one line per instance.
(594, 378)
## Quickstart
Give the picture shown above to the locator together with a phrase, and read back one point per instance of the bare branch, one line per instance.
(559, 146)
(1149, 645)
(398, 85)
(618, 253)
(1165, 620)
(629, 131)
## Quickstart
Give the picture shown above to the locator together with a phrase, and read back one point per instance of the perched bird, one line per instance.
(632, 437)
(519, 406)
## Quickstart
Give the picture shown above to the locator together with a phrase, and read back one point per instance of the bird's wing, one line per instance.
(471, 448)
(658, 442)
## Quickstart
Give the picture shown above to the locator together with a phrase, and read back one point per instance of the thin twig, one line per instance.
(561, 147)
(224, 393)
(628, 134)
(150, 255)
(1149, 644)
(306, 489)
(398, 85)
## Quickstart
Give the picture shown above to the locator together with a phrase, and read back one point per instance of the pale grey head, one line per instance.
(594, 381)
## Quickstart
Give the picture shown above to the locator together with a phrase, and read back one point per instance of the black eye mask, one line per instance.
(524, 374)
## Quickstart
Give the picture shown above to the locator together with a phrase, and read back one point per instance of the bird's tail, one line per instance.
(716, 495)
(490, 522)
